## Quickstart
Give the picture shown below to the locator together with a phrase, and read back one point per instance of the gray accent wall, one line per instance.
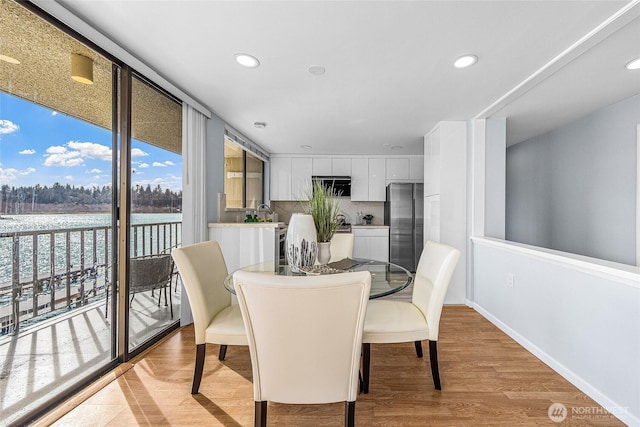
(215, 165)
(574, 189)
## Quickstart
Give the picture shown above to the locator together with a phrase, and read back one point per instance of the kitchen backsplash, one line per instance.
(348, 208)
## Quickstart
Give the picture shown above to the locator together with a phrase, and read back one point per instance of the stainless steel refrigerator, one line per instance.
(403, 213)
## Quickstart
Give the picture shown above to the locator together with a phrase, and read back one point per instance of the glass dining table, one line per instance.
(386, 278)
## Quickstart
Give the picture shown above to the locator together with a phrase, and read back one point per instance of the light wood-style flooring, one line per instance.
(487, 380)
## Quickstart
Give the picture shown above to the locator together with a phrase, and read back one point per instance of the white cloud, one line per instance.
(94, 170)
(56, 157)
(8, 175)
(91, 150)
(54, 113)
(169, 163)
(69, 178)
(7, 126)
(136, 152)
(56, 149)
(27, 151)
(159, 165)
(27, 171)
(143, 165)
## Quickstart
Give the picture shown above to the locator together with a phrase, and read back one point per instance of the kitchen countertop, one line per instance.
(247, 224)
(369, 226)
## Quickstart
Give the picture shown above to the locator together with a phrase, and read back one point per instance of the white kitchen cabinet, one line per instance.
(377, 181)
(322, 166)
(331, 166)
(246, 244)
(280, 182)
(397, 169)
(300, 177)
(432, 162)
(416, 168)
(359, 179)
(368, 179)
(445, 201)
(290, 177)
(341, 166)
(371, 242)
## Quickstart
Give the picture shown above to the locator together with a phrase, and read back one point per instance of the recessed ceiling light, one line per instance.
(317, 70)
(465, 61)
(9, 59)
(247, 60)
(397, 147)
(634, 65)
(259, 125)
(305, 147)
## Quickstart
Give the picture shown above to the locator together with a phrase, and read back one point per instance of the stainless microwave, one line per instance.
(341, 184)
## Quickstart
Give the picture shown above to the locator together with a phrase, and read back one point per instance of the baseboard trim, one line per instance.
(603, 400)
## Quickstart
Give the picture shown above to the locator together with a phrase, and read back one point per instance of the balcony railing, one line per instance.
(45, 273)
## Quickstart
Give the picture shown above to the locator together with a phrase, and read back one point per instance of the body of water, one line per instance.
(37, 222)
(53, 222)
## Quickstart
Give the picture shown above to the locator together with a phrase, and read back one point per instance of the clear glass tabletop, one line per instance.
(386, 278)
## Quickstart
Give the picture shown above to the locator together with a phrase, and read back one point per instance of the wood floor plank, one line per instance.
(487, 380)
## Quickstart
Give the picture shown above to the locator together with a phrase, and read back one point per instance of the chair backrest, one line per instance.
(304, 333)
(432, 278)
(150, 272)
(202, 269)
(341, 246)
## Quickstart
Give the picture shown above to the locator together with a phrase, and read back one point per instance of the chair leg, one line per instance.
(260, 414)
(366, 365)
(106, 304)
(433, 355)
(170, 299)
(201, 350)
(418, 348)
(223, 352)
(350, 414)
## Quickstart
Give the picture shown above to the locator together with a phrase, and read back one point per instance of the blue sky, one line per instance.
(41, 146)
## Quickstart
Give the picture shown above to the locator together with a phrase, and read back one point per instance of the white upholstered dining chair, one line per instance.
(391, 321)
(305, 337)
(341, 246)
(202, 269)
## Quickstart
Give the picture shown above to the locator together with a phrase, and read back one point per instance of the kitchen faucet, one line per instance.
(265, 206)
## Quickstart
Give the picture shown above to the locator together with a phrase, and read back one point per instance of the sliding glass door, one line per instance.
(156, 206)
(90, 189)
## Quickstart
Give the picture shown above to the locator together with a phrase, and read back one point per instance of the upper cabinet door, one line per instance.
(300, 177)
(397, 169)
(359, 179)
(280, 174)
(321, 166)
(377, 181)
(341, 167)
(416, 168)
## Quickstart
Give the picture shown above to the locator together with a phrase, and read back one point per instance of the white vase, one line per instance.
(324, 252)
(301, 246)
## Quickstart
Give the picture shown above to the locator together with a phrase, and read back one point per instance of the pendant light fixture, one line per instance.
(81, 69)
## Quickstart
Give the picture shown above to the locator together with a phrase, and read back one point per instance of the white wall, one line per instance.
(579, 315)
(574, 189)
(583, 324)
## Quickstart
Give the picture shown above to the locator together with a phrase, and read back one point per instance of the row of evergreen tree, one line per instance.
(69, 194)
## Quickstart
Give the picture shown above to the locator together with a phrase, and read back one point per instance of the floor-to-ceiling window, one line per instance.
(243, 177)
(61, 181)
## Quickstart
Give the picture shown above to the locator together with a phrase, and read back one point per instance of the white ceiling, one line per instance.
(389, 74)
